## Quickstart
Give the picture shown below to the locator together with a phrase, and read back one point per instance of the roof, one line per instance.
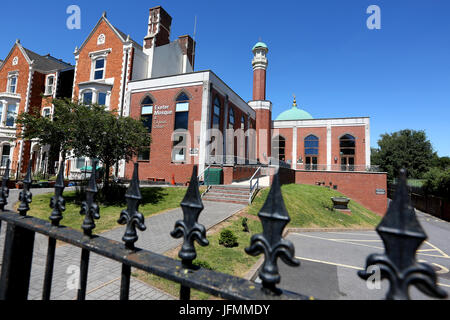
(294, 114)
(46, 63)
(122, 35)
(260, 45)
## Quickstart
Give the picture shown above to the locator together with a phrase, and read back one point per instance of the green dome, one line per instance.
(294, 114)
(260, 45)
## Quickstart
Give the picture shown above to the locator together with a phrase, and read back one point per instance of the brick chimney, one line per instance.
(159, 23)
(187, 45)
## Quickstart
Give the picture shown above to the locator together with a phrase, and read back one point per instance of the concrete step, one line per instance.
(230, 192)
(230, 188)
(224, 199)
(228, 195)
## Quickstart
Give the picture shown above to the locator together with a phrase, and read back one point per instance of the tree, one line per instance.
(408, 149)
(437, 182)
(56, 132)
(88, 131)
(102, 135)
(441, 162)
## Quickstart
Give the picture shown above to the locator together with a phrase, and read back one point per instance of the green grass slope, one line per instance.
(311, 206)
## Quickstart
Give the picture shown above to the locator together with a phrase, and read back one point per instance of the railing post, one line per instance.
(58, 205)
(16, 268)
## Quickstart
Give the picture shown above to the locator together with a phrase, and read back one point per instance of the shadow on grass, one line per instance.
(115, 196)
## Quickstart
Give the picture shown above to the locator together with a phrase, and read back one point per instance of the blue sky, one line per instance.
(319, 50)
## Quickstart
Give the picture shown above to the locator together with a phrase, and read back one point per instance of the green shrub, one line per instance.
(228, 239)
(202, 264)
(437, 182)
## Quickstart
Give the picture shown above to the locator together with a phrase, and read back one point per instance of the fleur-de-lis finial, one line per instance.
(131, 216)
(57, 203)
(4, 193)
(25, 196)
(189, 228)
(402, 235)
(89, 208)
(274, 218)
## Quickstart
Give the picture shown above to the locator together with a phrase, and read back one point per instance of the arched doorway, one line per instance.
(347, 144)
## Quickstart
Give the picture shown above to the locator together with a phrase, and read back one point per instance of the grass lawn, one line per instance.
(311, 206)
(308, 206)
(154, 200)
(233, 261)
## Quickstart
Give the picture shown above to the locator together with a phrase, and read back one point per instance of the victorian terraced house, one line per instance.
(28, 83)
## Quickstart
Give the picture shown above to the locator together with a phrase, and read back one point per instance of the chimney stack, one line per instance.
(159, 23)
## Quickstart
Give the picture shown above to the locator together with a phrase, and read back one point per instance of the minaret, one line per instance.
(259, 64)
(262, 107)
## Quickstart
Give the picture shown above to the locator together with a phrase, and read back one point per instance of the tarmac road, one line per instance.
(330, 261)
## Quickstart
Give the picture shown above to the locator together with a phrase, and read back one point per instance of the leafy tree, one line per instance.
(441, 162)
(408, 149)
(102, 135)
(56, 132)
(437, 182)
(88, 131)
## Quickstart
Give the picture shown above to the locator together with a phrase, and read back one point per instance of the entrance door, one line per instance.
(311, 163)
(347, 163)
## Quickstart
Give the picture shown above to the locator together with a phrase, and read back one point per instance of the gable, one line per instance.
(17, 53)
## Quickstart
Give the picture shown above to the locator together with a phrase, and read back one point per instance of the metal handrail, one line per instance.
(208, 186)
(254, 187)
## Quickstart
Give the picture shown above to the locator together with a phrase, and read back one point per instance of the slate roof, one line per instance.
(46, 63)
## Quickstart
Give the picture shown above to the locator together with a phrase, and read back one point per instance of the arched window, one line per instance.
(181, 123)
(87, 97)
(147, 112)
(216, 113)
(279, 148)
(311, 152)
(182, 111)
(347, 145)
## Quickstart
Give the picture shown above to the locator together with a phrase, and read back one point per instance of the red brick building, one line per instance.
(109, 59)
(196, 118)
(28, 83)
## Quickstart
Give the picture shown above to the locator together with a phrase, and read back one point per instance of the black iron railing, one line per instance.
(399, 230)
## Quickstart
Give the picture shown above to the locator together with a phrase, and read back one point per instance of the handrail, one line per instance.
(254, 187)
(208, 187)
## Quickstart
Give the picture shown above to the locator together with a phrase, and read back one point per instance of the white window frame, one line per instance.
(49, 114)
(95, 96)
(93, 68)
(11, 148)
(6, 115)
(51, 91)
(8, 87)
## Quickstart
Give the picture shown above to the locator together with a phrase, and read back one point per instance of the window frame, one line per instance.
(9, 85)
(14, 117)
(3, 163)
(46, 91)
(143, 105)
(95, 69)
(216, 103)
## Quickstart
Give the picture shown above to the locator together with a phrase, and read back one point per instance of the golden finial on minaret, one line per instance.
(295, 102)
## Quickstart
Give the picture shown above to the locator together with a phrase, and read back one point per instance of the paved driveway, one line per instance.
(330, 261)
(104, 274)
